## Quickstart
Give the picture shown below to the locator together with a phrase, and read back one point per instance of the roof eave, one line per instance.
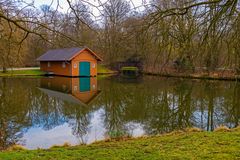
(86, 48)
(97, 57)
(49, 60)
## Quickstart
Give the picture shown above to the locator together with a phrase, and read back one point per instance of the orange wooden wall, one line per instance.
(84, 56)
(56, 68)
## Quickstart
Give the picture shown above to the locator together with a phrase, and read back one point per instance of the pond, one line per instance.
(41, 112)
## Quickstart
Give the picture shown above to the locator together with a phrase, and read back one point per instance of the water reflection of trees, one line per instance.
(79, 119)
(13, 112)
(23, 105)
(232, 105)
(159, 105)
(114, 102)
(164, 105)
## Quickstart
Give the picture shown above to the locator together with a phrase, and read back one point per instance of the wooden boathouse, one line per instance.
(72, 62)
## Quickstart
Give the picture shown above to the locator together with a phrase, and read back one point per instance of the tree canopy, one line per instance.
(185, 34)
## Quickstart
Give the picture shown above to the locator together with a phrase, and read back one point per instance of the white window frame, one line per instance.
(93, 65)
(64, 87)
(63, 65)
(49, 64)
(75, 88)
(75, 65)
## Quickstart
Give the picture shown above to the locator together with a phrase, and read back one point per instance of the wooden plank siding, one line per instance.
(84, 56)
(56, 68)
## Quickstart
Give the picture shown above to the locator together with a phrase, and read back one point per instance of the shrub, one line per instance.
(222, 129)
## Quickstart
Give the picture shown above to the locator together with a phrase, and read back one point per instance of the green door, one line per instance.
(84, 84)
(84, 69)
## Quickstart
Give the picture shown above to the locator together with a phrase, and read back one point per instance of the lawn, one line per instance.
(177, 145)
(104, 70)
(129, 69)
(36, 72)
(33, 72)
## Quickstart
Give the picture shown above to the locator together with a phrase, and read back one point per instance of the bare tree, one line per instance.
(115, 12)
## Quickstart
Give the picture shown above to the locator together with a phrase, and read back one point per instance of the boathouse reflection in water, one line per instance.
(75, 90)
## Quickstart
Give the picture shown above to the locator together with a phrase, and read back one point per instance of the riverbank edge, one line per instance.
(189, 144)
(37, 72)
(23, 72)
(42, 75)
(195, 76)
(105, 71)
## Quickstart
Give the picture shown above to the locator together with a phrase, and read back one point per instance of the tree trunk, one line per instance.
(4, 69)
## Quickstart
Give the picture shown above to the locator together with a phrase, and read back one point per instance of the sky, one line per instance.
(64, 5)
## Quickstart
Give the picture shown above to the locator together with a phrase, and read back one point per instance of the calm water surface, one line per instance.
(41, 112)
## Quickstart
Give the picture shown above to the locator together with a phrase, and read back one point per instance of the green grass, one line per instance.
(104, 70)
(129, 69)
(34, 72)
(178, 145)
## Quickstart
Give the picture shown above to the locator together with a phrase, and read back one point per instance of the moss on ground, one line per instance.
(177, 145)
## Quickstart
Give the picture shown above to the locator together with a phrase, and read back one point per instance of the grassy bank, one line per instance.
(32, 72)
(102, 70)
(178, 145)
(197, 76)
(197, 73)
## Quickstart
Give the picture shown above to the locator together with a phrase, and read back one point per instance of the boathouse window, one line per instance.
(93, 65)
(75, 88)
(64, 65)
(49, 64)
(75, 65)
(64, 87)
